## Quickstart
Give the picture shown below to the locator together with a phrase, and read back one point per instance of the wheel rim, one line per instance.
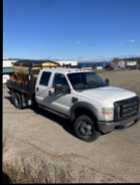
(85, 128)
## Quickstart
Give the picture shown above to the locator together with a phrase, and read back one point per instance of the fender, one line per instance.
(84, 105)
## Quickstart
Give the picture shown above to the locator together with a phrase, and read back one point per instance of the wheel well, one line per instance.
(82, 110)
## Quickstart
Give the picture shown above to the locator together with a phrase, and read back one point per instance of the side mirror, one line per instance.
(59, 88)
(107, 81)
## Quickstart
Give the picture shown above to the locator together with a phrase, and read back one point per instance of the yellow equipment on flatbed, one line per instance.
(25, 74)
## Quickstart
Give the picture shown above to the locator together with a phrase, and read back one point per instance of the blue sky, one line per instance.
(71, 29)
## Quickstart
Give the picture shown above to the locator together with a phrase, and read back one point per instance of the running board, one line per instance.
(54, 112)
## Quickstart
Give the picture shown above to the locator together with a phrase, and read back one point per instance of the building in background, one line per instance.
(68, 63)
(126, 63)
(118, 64)
(131, 64)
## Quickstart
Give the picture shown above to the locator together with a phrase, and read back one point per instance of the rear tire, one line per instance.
(16, 100)
(84, 127)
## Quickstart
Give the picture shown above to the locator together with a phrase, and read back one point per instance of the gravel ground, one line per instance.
(116, 154)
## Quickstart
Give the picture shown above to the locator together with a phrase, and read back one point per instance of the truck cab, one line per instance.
(83, 96)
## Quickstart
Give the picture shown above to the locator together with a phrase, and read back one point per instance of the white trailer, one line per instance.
(131, 64)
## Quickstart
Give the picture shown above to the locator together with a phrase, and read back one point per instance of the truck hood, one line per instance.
(107, 95)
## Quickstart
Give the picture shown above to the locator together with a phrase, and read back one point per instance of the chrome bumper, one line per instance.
(106, 127)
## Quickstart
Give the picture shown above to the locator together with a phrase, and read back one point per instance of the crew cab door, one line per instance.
(60, 100)
(42, 87)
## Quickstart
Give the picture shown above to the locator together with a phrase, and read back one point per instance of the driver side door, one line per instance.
(60, 101)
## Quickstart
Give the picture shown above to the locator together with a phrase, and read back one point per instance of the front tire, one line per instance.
(84, 128)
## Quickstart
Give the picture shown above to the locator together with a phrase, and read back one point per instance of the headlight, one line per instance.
(108, 113)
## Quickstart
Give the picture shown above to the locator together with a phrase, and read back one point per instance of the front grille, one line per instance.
(126, 108)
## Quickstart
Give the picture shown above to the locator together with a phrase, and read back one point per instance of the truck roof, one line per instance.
(67, 70)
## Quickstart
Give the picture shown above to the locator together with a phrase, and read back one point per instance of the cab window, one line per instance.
(60, 79)
(45, 78)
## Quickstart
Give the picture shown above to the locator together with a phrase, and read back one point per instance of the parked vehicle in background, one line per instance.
(109, 67)
(81, 96)
(99, 68)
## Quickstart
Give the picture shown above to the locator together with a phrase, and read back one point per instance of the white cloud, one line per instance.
(131, 41)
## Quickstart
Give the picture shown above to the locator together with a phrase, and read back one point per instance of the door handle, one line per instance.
(51, 91)
(37, 89)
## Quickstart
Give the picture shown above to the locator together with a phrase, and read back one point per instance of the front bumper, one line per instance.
(106, 127)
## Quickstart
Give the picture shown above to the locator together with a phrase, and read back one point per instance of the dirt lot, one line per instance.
(127, 79)
(116, 154)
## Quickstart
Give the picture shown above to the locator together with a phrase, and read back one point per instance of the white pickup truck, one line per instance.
(81, 96)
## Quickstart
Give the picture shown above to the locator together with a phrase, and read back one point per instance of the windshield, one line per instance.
(86, 80)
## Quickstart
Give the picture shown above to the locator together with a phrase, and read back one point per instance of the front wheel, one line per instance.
(84, 128)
